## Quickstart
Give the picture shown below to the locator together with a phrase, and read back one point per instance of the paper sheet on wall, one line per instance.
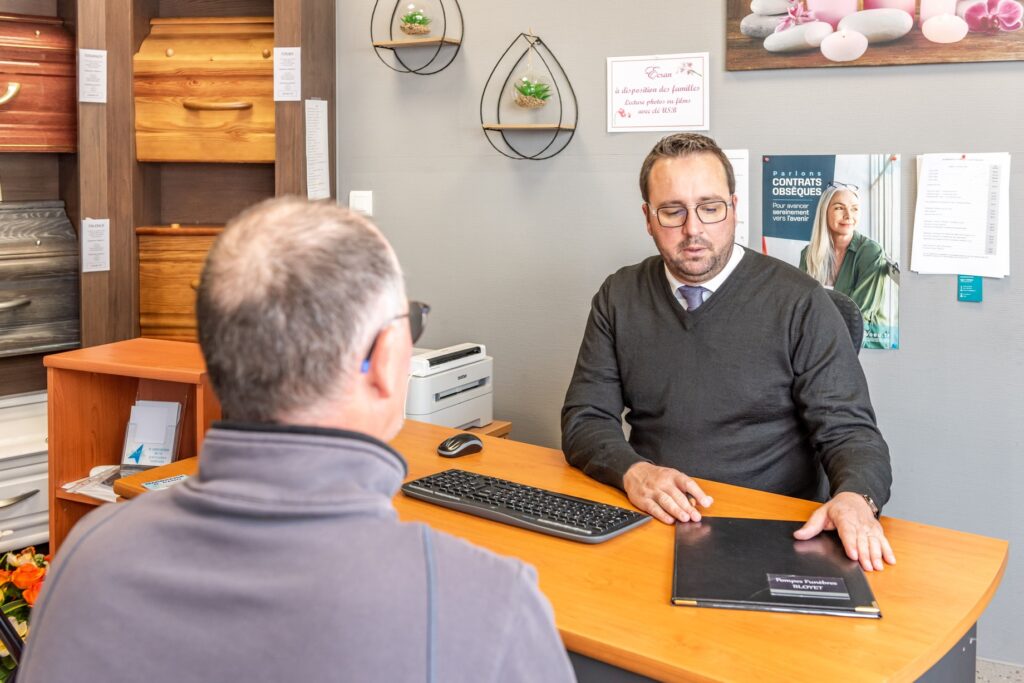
(92, 75)
(962, 219)
(95, 245)
(740, 160)
(318, 170)
(287, 74)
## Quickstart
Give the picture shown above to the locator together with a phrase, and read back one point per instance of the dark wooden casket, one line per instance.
(39, 306)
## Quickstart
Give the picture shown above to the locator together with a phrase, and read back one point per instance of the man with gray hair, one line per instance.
(283, 560)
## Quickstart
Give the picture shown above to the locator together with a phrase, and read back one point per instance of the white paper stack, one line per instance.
(99, 484)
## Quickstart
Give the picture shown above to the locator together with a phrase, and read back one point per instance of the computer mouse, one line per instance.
(459, 445)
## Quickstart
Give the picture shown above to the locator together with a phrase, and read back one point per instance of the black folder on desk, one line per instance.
(756, 564)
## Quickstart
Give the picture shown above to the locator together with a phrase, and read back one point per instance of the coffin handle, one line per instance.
(12, 91)
(15, 303)
(13, 500)
(199, 105)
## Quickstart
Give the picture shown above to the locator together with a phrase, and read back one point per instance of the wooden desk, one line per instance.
(612, 600)
(502, 428)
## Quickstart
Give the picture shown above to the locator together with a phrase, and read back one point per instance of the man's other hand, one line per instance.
(862, 535)
(664, 493)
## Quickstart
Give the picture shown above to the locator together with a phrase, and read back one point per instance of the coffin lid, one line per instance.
(35, 228)
(201, 43)
(19, 43)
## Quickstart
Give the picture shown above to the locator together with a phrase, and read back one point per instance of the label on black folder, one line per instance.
(794, 586)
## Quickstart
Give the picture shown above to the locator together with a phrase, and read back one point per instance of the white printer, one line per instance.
(452, 386)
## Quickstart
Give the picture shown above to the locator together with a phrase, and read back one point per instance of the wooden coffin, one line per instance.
(38, 279)
(204, 90)
(38, 103)
(170, 262)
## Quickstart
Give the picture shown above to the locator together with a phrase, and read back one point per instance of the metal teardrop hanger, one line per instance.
(431, 29)
(531, 113)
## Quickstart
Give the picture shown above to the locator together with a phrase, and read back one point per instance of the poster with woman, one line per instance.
(837, 218)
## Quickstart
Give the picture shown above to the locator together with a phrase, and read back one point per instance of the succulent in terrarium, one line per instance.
(531, 93)
(415, 21)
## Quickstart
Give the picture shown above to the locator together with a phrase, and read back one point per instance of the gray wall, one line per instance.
(509, 253)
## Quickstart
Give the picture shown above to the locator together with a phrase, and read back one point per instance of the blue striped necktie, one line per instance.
(693, 295)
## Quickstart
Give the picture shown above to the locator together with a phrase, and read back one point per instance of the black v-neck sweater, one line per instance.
(757, 387)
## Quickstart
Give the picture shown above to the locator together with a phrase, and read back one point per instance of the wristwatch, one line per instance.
(871, 504)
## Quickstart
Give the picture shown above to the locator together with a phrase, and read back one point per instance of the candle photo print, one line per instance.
(790, 34)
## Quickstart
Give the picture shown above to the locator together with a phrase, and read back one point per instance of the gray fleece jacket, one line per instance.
(283, 560)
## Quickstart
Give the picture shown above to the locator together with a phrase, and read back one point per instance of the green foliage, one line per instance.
(528, 88)
(7, 666)
(416, 17)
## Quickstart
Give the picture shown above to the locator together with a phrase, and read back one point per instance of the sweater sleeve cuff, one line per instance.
(610, 465)
(877, 496)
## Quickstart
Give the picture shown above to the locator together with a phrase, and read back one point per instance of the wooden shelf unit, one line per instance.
(91, 392)
(131, 193)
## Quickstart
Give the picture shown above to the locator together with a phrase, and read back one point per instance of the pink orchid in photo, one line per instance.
(991, 16)
(796, 15)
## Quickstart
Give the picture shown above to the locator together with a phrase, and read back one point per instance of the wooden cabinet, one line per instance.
(38, 278)
(204, 90)
(210, 140)
(132, 193)
(91, 392)
(170, 263)
(38, 120)
(37, 85)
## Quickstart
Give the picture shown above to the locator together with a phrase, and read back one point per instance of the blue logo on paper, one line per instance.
(136, 455)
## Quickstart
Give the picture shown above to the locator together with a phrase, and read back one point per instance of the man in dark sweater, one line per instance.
(733, 366)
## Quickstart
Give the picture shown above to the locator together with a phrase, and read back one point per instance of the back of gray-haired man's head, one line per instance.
(291, 297)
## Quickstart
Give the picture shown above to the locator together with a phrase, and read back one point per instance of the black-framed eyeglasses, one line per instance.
(707, 213)
(842, 186)
(417, 315)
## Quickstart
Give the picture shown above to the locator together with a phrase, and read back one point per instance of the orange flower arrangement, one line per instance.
(21, 579)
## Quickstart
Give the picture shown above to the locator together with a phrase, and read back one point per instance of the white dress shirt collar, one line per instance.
(711, 285)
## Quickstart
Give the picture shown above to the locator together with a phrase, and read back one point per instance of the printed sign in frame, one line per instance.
(658, 93)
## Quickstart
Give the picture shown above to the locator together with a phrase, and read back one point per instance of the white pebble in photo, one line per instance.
(803, 37)
(878, 25)
(767, 7)
(756, 26)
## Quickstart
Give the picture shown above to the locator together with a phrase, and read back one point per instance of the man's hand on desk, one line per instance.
(664, 493)
(862, 535)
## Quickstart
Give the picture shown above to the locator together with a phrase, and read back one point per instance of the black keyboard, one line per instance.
(576, 519)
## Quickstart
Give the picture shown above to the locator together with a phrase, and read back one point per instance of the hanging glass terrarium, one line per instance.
(415, 20)
(530, 91)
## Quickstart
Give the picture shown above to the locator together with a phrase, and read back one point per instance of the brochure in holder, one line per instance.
(153, 434)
